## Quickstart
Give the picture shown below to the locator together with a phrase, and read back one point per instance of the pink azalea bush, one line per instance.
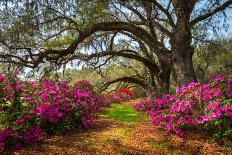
(29, 107)
(102, 100)
(207, 106)
(151, 102)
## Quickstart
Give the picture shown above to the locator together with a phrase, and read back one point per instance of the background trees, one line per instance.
(160, 35)
(214, 57)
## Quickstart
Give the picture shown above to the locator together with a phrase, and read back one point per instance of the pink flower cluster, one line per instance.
(191, 105)
(102, 100)
(32, 135)
(47, 105)
(54, 103)
(151, 102)
(1, 78)
(4, 135)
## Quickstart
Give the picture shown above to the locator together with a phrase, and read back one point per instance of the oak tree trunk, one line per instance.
(164, 76)
(182, 51)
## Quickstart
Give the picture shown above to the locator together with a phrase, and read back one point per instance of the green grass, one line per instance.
(124, 113)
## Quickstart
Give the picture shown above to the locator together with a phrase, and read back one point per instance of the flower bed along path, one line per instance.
(120, 130)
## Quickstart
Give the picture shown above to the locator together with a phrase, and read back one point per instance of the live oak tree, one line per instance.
(40, 31)
(181, 26)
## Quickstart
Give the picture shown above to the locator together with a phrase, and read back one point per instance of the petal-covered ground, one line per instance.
(121, 130)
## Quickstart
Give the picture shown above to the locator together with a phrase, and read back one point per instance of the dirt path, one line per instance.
(113, 135)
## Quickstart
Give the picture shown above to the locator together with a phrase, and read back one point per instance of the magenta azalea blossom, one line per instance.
(1, 78)
(217, 92)
(192, 105)
(20, 121)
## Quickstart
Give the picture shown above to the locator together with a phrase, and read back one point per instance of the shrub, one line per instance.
(206, 106)
(123, 94)
(30, 107)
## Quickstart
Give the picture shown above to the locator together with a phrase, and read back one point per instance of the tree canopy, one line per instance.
(162, 35)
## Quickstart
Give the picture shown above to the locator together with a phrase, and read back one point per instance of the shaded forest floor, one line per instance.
(121, 130)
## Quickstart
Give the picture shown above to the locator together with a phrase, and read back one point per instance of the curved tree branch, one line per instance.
(211, 13)
(165, 11)
(127, 54)
(54, 54)
(125, 79)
